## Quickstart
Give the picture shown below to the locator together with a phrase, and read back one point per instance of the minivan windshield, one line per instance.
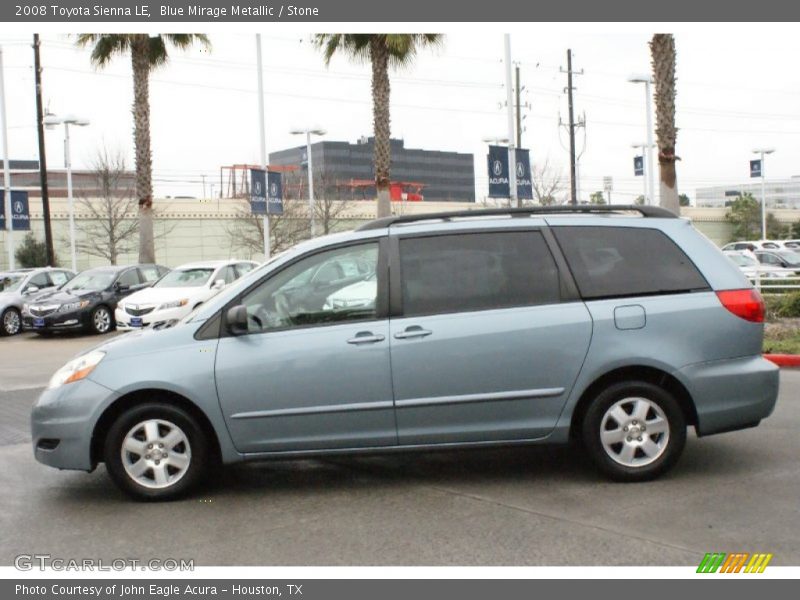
(10, 282)
(92, 281)
(185, 278)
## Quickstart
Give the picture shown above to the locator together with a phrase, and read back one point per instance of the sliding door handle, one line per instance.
(415, 331)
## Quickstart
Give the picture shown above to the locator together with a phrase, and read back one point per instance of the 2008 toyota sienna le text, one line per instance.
(617, 327)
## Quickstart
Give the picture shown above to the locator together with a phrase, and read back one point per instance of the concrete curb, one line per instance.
(784, 360)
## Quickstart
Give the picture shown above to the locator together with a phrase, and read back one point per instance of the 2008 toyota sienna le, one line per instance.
(617, 326)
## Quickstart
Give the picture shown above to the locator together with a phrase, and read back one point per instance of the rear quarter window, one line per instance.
(609, 262)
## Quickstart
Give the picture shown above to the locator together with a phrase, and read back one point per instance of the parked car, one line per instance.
(782, 259)
(752, 268)
(17, 286)
(179, 292)
(87, 301)
(753, 245)
(485, 328)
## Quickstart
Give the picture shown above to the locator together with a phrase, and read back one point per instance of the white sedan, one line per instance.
(179, 292)
(750, 266)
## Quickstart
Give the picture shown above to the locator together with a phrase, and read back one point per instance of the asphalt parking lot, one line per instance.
(526, 506)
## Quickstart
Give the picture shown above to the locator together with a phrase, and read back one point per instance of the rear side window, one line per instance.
(476, 271)
(626, 261)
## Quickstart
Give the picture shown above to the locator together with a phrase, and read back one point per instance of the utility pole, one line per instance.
(6, 172)
(512, 152)
(263, 139)
(519, 107)
(48, 230)
(572, 160)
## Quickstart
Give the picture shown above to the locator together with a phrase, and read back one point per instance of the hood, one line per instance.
(165, 294)
(60, 296)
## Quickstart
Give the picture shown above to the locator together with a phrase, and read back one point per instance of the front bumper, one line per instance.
(125, 323)
(731, 394)
(62, 422)
(57, 321)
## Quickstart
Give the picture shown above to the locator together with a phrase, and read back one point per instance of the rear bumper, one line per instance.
(731, 394)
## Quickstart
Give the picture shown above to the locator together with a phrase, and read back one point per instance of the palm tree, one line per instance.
(662, 51)
(147, 52)
(381, 50)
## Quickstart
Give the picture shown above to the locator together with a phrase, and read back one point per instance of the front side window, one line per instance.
(129, 278)
(477, 271)
(317, 290)
(59, 277)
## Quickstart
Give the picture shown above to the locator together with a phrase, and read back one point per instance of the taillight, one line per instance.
(747, 304)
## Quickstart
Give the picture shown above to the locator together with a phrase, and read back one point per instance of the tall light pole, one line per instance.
(6, 172)
(762, 152)
(650, 198)
(50, 121)
(512, 153)
(262, 136)
(308, 133)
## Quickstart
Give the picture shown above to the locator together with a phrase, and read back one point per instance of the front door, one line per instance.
(313, 372)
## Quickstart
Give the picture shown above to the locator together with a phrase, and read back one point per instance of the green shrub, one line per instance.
(31, 253)
(788, 306)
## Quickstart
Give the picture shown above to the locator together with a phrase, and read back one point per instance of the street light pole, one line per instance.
(262, 135)
(308, 132)
(6, 172)
(51, 121)
(650, 195)
(70, 200)
(512, 154)
(310, 184)
(762, 152)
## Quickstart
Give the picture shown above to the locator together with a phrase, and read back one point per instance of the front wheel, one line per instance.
(156, 452)
(634, 431)
(10, 322)
(101, 320)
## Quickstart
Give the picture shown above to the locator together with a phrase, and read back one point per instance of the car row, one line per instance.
(762, 245)
(753, 268)
(98, 300)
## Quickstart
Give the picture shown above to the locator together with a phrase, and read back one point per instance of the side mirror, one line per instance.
(236, 320)
(122, 288)
(31, 289)
(218, 284)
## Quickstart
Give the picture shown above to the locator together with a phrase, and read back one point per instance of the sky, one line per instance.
(737, 90)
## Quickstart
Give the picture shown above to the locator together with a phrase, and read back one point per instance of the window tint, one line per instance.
(300, 296)
(40, 280)
(626, 261)
(476, 271)
(227, 274)
(59, 277)
(150, 274)
(242, 268)
(129, 278)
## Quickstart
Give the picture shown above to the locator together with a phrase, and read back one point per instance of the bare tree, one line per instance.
(112, 227)
(548, 183)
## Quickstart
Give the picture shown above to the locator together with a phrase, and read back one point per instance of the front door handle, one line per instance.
(366, 337)
(415, 331)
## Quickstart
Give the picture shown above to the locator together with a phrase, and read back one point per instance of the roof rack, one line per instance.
(651, 212)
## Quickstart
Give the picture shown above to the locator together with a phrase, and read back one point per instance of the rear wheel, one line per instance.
(156, 452)
(10, 322)
(634, 431)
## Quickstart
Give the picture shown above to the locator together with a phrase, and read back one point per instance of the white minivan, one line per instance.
(179, 292)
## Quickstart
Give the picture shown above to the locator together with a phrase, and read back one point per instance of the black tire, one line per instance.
(654, 453)
(95, 326)
(143, 489)
(9, 317)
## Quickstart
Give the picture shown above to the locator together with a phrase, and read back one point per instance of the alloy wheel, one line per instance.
(156, 453)
(634, 432)
(11, 322)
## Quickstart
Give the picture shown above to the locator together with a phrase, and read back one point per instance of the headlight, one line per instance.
(76, 369)
(174, 304)
(73, 306)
